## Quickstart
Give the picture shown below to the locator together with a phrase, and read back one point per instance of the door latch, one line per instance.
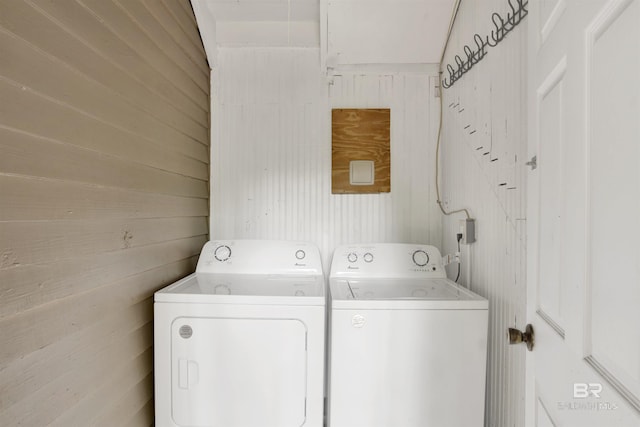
(516, 336)
(533, 162)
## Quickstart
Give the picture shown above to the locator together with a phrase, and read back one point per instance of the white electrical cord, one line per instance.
(444, 50)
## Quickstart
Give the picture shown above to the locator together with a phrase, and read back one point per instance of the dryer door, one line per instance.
(238, 372)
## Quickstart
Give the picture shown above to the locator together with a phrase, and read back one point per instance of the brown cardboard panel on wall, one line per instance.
(359, 135)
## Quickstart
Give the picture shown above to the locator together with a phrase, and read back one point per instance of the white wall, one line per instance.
(490, 181)
(271, 152)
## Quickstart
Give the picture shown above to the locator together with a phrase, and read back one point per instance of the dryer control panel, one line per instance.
(260, 257)
(387, 260)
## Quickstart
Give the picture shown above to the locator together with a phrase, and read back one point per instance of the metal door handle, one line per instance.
(516, 336)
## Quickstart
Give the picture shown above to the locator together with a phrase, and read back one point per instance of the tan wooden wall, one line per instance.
(104, 148)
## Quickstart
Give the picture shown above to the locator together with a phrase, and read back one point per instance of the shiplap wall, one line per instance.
(483, 155)
(104, 152)
(271, 152)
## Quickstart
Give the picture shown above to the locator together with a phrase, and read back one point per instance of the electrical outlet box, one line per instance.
(468, 230)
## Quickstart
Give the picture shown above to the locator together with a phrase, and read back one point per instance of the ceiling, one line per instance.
(350, 32)
(265, 10)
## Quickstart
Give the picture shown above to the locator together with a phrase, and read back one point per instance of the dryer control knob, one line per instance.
(368, 257)
(352, 257)
(222, 253)
(300, 254)
(420, 258)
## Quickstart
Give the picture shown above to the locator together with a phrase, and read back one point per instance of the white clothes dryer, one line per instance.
(407, 346)
(240, 342)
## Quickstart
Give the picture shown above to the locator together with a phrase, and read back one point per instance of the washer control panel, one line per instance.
(387, 260)
(259, 257)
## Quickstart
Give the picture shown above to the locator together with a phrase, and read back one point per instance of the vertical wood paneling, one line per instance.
(483, 154)
(271, 152)
(104, 153)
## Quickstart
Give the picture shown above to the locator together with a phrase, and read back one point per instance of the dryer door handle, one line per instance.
(188, 373)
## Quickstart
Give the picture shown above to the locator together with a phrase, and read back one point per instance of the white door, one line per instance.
(236, 372)
(584, 213)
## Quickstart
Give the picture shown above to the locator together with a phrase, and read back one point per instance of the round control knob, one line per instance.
(300, 254)
(368, 257)
(222, 253)
(420, 258)
(352, 257)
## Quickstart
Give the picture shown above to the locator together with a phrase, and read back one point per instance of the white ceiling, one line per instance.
(265, 10)
(351, 31)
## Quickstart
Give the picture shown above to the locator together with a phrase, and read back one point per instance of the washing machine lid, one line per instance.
(245, 289)
(399, 293)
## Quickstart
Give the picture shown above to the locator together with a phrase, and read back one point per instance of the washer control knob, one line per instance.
(352, 257)
(300, 254)
(222, 253)
(420, 258)
(368, 257)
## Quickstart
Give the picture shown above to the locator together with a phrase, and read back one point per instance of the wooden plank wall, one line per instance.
(483, 157)
(104, 152)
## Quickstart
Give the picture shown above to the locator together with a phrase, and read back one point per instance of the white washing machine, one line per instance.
(407, 347)
(240, 342)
